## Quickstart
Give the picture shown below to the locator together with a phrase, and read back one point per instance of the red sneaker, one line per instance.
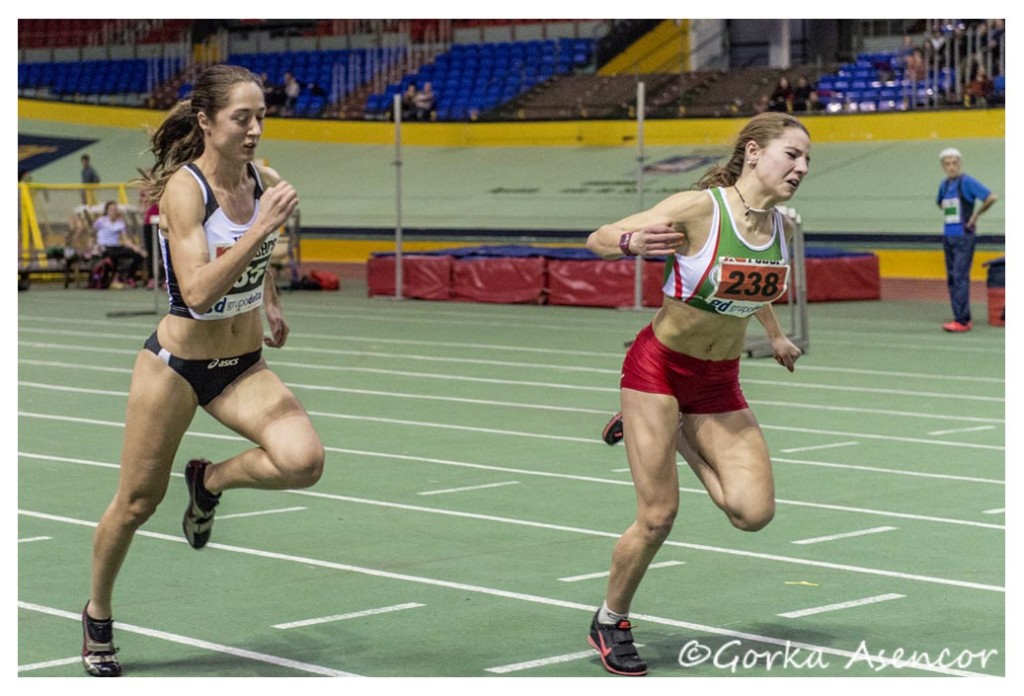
(614, 643)
(956, 327)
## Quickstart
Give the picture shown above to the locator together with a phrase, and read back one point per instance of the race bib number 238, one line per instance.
(751, 281)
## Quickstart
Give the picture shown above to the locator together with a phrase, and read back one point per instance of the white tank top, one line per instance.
(221, 234)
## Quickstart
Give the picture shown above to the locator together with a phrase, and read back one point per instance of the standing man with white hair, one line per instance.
(958, 194)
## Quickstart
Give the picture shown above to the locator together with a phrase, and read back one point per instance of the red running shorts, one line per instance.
(699, 386)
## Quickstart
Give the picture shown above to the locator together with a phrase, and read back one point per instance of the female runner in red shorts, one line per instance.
(728, 248)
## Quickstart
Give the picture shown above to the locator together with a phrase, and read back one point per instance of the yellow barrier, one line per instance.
(43, 214)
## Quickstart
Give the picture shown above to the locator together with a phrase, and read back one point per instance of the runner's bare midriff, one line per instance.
(193, 340)
(699, 334)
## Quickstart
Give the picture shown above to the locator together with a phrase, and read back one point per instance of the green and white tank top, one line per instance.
(728, 275)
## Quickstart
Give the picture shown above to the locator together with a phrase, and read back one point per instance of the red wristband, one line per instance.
(624, 243)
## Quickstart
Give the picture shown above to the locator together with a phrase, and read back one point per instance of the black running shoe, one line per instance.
(198, 520)
(99, 656)
(614, 643)
(612, 433)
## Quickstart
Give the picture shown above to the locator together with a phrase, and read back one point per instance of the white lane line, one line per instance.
(563, 438)
(387, 372)
(962, 430)
(883, 470)
(592, 576)
(875, 411)
(857, 467)
(548, 474)
(670, 542)
(891, 438)
(995, 511)
(845, 535)
(841, 605)
(466, 428)
(505, 348)
(817, 447)
(601, 326)
(506, 594)
(545, 661)
(197, 643)
(875, 390)
(258, 513)
(469, 488)
(848, 568)
(363, 392)
(534, 367)
(485, 402)
(352, 615)
(616, 535)
(893, 346)
(450, 399)
(542, 662)
(50, 663)
(38, 538)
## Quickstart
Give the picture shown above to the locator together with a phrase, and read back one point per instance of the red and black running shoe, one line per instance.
(612, 433)
(614, 643)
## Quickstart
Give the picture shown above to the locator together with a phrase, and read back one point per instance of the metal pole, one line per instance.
(638, 275)
(396, 109)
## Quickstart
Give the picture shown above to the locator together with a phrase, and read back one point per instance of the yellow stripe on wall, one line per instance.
(982, 123)
(927, 264)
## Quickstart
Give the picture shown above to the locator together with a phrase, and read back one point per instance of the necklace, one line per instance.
(749, 210)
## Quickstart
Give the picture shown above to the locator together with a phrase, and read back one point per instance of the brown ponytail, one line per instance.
(179, 140)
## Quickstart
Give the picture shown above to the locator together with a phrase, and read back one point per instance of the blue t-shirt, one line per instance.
(957, 198)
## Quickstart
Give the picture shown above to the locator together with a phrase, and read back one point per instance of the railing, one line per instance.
(954, 50)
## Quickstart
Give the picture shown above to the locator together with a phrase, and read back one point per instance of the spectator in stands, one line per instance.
(979, 90)
(802, 94)
(409, 102)
(273, 95)
(424, 102)
(814, 102)
(998, 29)
(958, 197)
(999, 90)
(112, 238)
(937, 38)
(223, 213)
(680, 387)
(781, 98)
(914, 67)
(292, 90)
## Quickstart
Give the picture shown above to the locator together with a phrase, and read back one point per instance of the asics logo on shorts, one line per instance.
(230, 362)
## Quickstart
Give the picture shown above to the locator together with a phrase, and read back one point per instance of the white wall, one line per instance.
(707, 41)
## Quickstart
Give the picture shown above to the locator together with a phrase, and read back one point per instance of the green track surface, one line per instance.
(466, 482)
